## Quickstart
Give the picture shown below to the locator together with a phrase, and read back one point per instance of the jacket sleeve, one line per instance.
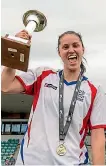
(98, 114)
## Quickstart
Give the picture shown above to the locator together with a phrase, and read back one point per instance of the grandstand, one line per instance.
(9, 149)
(14, 117)
(15, 113)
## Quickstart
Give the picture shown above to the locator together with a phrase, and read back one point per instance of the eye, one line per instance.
(75, 45)
(66, 46)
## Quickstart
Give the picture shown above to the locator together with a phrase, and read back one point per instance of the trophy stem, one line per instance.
(30, 27)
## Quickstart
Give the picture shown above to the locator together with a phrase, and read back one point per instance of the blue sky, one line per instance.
(85, 16)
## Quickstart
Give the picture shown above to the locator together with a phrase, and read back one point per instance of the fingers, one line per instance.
(24, 35)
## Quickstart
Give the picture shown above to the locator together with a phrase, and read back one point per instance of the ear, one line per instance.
(59, 53)
(83, 50)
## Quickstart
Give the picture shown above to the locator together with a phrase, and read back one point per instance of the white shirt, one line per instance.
(42, 137)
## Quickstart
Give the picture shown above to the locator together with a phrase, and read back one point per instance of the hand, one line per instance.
(24, 35)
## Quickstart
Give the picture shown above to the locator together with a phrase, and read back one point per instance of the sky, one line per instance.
(87, 17)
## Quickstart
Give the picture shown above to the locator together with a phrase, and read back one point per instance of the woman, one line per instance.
(65, 105)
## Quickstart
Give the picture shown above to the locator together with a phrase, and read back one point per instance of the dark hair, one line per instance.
(80, 37)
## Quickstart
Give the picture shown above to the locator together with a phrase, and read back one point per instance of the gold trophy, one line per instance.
(14, 50)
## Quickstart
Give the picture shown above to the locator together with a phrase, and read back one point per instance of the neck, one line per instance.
(70, 75)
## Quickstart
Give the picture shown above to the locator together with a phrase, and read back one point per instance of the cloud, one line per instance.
(86, 17)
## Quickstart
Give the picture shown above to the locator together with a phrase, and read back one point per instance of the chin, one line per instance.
(73, 68)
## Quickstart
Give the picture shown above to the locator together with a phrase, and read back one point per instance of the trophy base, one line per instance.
(14, 54)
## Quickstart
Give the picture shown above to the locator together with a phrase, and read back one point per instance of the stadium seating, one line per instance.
(8, 148)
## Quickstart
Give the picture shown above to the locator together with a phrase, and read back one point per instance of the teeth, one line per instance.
(72, 56)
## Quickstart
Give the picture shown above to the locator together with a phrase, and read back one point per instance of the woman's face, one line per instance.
(71, 51)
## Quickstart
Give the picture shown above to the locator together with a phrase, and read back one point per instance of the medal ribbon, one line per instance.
(64, 129)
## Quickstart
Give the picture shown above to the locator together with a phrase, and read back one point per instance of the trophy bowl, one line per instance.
(37, 17)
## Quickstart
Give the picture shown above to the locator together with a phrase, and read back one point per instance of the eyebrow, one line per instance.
(72, 43)
(76, 42)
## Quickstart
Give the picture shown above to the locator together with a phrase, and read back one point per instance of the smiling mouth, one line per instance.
(72, 57)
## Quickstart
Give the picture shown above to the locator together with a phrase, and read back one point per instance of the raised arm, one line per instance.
(10, 84)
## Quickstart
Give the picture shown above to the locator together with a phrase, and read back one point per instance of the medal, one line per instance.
(61, 150)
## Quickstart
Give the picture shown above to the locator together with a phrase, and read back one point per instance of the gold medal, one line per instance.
(61, 150)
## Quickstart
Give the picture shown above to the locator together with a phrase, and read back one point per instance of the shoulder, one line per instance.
(96, 87)
(43, 71)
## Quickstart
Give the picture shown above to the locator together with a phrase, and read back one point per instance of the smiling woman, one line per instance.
(66, 104)
(73, 44)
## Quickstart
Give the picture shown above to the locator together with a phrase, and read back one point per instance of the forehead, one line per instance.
(69, 38)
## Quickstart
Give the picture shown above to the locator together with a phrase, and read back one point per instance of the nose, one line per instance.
(71, 49)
